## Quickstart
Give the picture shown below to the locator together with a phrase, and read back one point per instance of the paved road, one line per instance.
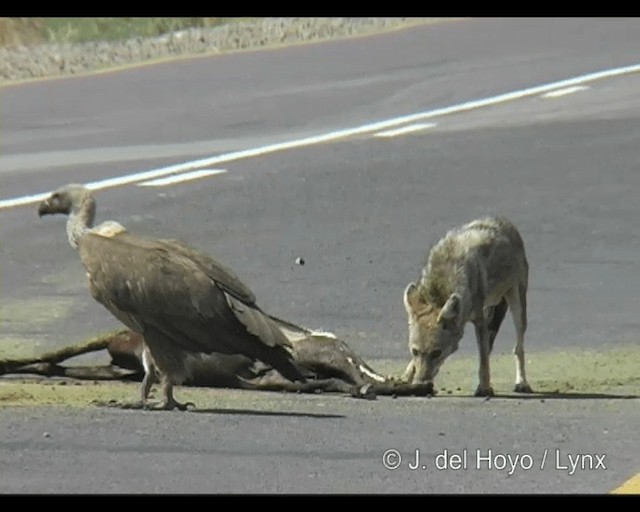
(325, 444)
(361, 206)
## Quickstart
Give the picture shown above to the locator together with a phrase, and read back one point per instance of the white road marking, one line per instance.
(405, 129)
(566, 90)
(161, 182)
(336, 135)
(19, 201)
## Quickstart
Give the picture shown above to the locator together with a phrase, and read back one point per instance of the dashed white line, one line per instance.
(178, 178)
(336, 135)
(405, 129)
(566, 90)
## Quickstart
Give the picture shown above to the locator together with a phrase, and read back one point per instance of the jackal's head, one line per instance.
(434, 332)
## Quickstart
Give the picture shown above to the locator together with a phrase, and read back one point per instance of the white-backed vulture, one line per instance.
(182, 301)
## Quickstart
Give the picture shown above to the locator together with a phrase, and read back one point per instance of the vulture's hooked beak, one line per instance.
(45, 207)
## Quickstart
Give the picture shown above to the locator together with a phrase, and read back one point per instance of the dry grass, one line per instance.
(22, 31)
(28, 31)
(571, 372)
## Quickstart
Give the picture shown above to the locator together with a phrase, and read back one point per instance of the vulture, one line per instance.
(183, 302)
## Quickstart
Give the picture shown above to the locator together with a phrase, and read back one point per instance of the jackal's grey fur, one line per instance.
(473, 274)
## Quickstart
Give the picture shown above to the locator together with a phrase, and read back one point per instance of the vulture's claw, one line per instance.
(173, 404)
(145, 406)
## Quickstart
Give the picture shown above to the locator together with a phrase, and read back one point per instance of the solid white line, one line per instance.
(332, 136)
(19, 201)
(566, 90)
(171, 180)
(405, 129)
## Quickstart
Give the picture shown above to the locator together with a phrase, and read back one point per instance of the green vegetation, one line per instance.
(613, 369)
(33, 316)
(566, 373)
(26, 31)
(79, 30)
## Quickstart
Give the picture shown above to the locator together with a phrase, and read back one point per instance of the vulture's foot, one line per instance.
(171, 404)
(141, 405)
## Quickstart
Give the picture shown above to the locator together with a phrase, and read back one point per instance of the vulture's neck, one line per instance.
(81, 220)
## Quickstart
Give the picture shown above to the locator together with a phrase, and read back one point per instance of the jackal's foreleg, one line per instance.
(484, 348)
(408, 374)
(518, 304)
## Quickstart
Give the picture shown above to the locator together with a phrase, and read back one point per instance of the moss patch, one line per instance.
(17, 347)
(34, 312)
(70, 279)
(574, 372)
(29, 316)
(16, 31)
(49, 392)
(571, 371)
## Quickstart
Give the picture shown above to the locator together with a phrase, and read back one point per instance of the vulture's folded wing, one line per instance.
(159, 286)
(103, 298)
(221, 274)
(257, 323)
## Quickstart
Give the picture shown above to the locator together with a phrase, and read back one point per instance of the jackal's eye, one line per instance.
(414, 352)
(435, 354)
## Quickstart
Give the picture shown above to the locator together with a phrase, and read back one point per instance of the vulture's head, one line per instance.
(78, 203)
(69, 199)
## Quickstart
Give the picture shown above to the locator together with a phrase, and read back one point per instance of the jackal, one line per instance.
(473, 274)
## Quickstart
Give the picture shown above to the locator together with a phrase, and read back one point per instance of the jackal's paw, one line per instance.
(482, 391)
(523, 387)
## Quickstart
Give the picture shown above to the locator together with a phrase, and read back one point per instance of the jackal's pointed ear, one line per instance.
(451, 309)
(412, 299)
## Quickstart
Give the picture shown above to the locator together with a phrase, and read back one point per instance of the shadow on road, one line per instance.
(249, 412)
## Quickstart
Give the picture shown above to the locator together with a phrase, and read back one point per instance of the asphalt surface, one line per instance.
(362, 211)
(324, 445)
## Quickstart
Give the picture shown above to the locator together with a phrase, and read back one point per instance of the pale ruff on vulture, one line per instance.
(182, 301)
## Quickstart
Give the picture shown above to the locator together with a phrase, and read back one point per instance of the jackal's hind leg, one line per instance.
(494, 316)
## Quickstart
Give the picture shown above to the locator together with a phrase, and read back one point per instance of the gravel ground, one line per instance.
(68, 59)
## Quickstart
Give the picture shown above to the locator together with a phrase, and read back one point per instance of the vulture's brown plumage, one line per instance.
(182, 301)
